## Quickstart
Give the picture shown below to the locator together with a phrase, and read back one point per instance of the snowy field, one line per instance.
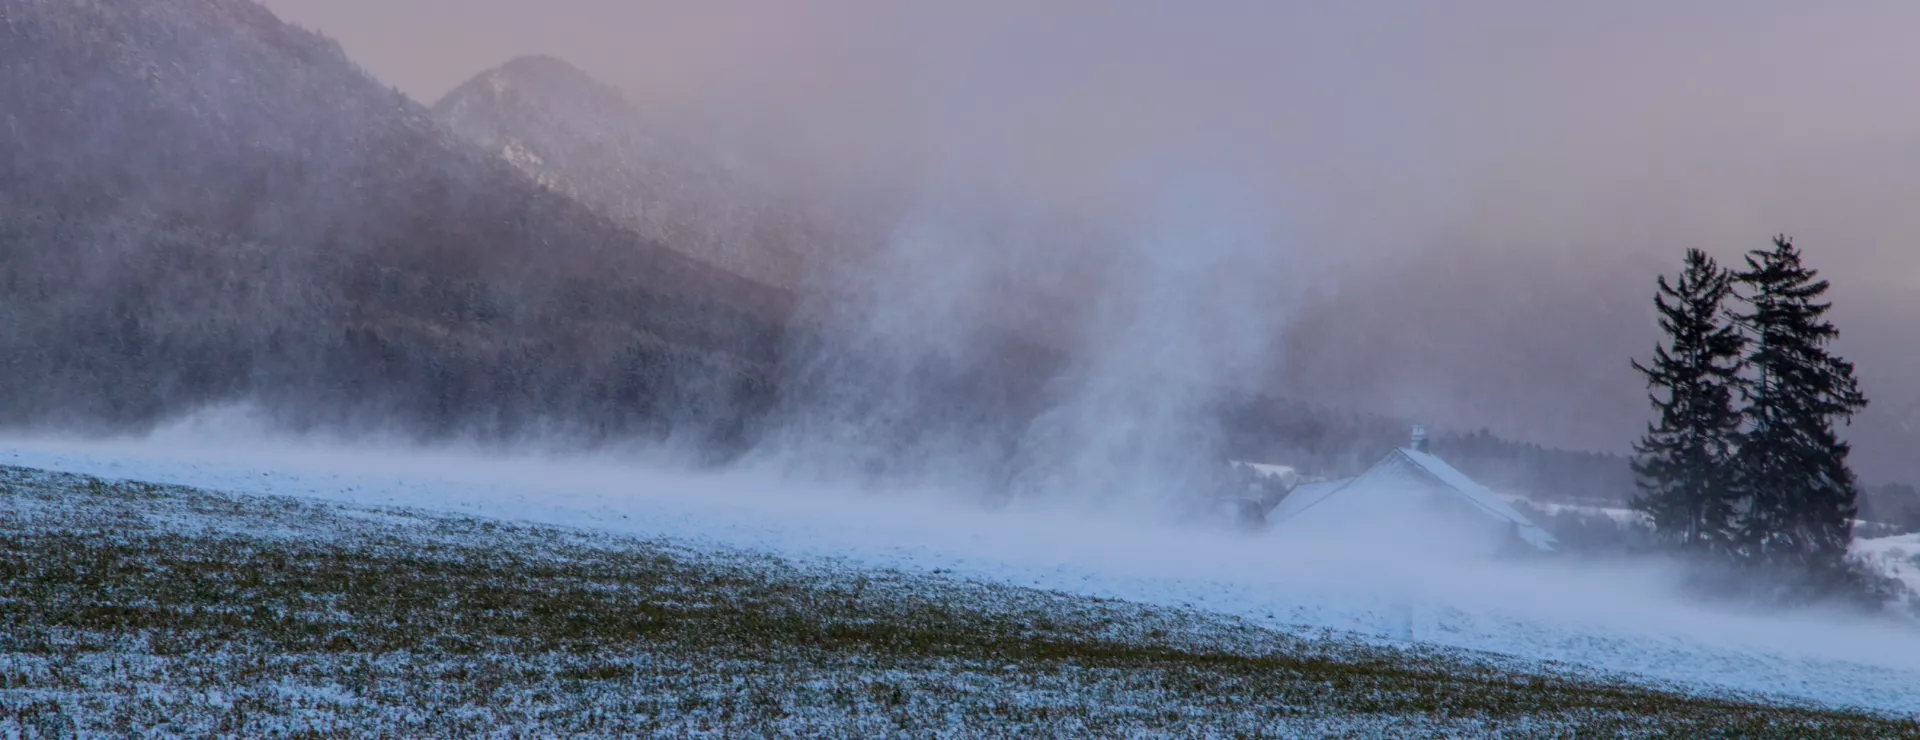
(1896, 556)
(1606, 621)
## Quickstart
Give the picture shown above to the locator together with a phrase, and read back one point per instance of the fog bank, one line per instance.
(1614, 618)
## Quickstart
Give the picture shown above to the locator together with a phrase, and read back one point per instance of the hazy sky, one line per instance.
(1599, 137)
(1543, 124)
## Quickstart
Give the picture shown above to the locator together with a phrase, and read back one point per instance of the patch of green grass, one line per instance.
(138, 608)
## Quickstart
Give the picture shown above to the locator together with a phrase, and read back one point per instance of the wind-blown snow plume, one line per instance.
(1181, 325)
(1181, 314)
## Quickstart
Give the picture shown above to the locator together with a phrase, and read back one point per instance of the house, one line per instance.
(1415, 499)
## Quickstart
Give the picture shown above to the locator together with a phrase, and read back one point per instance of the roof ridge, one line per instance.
(1428, 461)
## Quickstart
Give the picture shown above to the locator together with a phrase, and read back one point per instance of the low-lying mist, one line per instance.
(1611, 616)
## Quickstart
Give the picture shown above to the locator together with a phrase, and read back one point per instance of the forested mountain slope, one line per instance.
(201, 202)
(585, 139)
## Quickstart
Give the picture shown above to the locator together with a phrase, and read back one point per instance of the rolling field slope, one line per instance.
(160, 609)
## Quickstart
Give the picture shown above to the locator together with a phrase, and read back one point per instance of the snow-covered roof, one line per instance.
(1304, 496)
(1479, 496)
(1395, 469)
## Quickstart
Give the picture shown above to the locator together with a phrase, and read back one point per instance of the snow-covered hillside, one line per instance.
(1898, 557)
(1608, 621)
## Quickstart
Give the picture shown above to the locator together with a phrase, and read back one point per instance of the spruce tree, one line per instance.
(1683, 461)
(1799, 491)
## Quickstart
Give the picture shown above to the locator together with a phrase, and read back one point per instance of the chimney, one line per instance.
(1419, 438)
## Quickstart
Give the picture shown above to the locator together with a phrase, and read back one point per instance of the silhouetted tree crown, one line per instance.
(1800, 494)
(1684, 462)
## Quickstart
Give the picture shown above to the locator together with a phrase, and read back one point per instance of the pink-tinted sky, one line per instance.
(1597, 137)
(1527, 123)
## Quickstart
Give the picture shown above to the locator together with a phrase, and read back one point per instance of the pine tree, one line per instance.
(1683, 462)
(1793, 465)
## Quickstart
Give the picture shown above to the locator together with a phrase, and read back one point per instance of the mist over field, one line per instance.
(779, 301)
(1387, 584)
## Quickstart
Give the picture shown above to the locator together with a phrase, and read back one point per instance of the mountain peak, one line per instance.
(540, 81)
(587, 140)
(549, 75)
(539, 66)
